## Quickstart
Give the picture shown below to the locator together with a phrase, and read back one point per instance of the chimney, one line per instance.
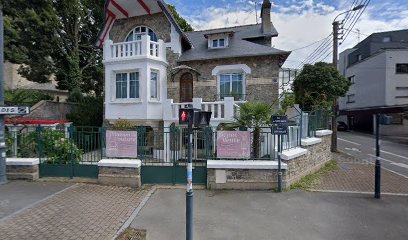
(266, 16)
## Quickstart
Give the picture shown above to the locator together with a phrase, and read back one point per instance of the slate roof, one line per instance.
(239, 46)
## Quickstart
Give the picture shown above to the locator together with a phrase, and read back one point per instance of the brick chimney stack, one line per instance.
(266, 16)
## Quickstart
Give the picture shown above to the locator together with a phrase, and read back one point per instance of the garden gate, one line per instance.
(163, 152)
(72, 153)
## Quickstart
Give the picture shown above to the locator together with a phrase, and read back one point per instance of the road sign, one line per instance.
(279, 119)
(21, 110)
(280, 130)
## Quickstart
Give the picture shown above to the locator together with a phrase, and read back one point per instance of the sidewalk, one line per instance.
(266, 215)
(82, 211)
(357, 175)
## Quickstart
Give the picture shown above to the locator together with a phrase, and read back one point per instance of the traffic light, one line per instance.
(202, 118)
(186, 116)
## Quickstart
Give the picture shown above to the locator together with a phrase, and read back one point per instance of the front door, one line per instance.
(186, 87)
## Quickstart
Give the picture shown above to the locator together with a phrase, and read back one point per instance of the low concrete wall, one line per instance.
(120, 172)
(22, 168)
(242, 175)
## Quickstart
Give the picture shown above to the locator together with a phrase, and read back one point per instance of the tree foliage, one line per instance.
(185, 26)
(254, 115)
(25, 97)
(56, 38)
(318, 85)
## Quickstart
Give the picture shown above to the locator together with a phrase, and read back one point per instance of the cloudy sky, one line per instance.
(302, 24)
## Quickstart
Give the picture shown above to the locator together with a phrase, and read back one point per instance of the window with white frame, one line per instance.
(127, 85)
(218, 43)
(231, 85)
(138, 32)
(154, 84)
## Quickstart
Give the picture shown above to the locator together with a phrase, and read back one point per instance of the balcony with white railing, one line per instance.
(222, 111)
(139, 49)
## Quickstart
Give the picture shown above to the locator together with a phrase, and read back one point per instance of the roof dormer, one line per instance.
(218, 40)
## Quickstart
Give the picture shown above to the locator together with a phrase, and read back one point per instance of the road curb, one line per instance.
(135, 212)
(357, 192)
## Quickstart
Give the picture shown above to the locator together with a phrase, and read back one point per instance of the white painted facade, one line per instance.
(376, 83)
(145, 56)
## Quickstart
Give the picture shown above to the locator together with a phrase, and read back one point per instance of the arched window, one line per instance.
(138, 32)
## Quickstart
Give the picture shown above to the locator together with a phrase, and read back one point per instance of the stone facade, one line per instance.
(316, 156)
(243, 179)
(261, 85)
(158, 23)
(120, 176)
(22, 172)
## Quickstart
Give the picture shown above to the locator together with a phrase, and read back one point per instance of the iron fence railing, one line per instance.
(87, 145)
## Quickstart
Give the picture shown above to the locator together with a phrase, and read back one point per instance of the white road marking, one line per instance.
(403, 165)
(397, 164)
(344, 140)
(353, 149)
(393, 154)
(371, 155)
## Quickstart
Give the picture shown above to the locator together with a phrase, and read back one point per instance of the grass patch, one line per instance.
(310, 180)
(132, 234)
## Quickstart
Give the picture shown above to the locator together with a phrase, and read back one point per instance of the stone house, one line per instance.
(152, 67)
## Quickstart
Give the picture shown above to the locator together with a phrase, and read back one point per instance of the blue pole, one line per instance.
(3, 176)
(189, 190)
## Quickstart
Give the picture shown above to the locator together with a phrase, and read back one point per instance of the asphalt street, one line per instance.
(266, 215)
(394, 156)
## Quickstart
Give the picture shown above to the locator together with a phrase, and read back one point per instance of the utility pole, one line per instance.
(334, 106)
(3, 176)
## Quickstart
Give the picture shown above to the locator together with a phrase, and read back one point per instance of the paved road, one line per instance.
(265, 215)
(17, 195)
(394, 155)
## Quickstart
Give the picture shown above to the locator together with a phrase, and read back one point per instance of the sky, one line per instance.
(302, 24)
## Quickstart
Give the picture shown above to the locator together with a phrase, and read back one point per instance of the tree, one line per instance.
(288, 101)
(56, 38)
(319, 85)
(254, 115)
(185, 26)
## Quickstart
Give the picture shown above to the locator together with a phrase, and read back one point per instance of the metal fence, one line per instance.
(87, 145)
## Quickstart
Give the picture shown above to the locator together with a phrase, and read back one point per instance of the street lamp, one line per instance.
(335, 54)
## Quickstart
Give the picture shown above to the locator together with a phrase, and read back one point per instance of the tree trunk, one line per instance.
(255, 142)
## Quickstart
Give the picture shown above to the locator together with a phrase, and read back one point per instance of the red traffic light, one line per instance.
(185, 115)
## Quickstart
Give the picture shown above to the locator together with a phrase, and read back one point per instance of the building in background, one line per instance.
(153, 68)
(377, 67)
(13, 81)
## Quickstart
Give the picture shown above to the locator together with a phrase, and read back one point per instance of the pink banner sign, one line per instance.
(122, 144)
(233, 144)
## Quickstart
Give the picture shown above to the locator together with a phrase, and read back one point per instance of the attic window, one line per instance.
(218, 43)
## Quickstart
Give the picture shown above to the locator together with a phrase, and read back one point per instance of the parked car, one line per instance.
(342, 126)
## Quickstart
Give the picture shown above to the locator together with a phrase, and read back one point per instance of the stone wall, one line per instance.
(158, 22)
(261, 85)
(243, 179)
(120, 172)
(22, 168)
(316, 156)
(51, 110)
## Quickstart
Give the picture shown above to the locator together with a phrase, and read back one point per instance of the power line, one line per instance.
(354, 23)
(327, 39)
(311, 44)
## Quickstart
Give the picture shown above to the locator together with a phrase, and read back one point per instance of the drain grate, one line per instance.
(132, 234)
